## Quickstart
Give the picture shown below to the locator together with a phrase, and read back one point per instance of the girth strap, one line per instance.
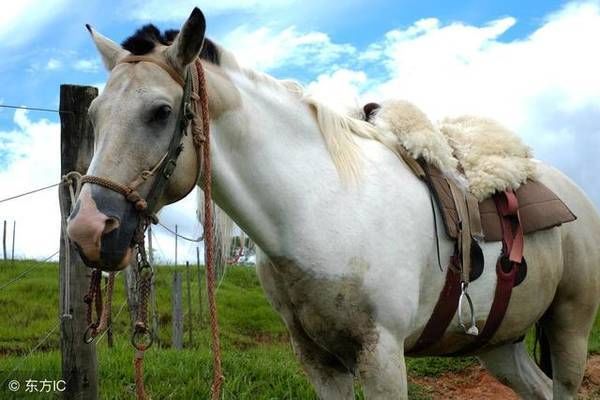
(507, 267)
(443, 311)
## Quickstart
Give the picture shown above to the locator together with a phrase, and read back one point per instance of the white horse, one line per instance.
(345, 228)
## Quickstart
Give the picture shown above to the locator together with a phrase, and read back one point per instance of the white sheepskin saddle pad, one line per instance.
(488, 156)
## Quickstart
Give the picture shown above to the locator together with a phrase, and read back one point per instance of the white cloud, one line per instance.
(461, 68)
(544, 86)
(87, 65)
(265, 49)
(53, 64)
(20, 21)
(340, 89)
(182, 214)
(33, 151)
(160, 10)
(60, 59)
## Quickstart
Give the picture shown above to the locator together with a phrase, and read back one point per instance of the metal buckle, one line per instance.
(188, 113)
(472, 330)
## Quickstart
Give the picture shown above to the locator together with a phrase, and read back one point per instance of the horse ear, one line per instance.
(188, 43)
(110, 51)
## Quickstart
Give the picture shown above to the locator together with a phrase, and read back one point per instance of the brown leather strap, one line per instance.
(464, 237)
(506, 270)
(168, 69)
(507, 267)
(413, 164)
(474, 217)
(443, 312)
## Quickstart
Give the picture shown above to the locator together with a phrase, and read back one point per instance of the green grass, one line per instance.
(257, 358)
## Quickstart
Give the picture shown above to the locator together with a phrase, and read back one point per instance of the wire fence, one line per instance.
(27, 354)
(27, 271)
(198, 239)
(30, 192)
(33, 349)
(35, 109)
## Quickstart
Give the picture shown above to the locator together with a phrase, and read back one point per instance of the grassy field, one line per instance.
(257, 358)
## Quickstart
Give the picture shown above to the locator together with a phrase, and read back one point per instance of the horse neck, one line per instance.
(269, 161)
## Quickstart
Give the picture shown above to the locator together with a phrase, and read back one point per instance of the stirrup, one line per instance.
(472, 330)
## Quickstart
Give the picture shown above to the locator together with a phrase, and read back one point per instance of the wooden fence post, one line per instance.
(79, 363)
(200, 302)
(188, 277)
(176, 245)
(12, 255)
(4, 240)
(177, 339)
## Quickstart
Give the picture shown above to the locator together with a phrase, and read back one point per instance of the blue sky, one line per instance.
(531, 65)
(56, 48)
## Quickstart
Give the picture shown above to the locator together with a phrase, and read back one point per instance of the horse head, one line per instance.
(134, 121)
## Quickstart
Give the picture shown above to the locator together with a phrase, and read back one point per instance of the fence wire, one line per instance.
(37, 346)
(30, 192)
(197, 240)
(27, 271)
(35, 109)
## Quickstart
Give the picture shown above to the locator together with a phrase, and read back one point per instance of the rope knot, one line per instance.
(137, 200)
(141, 205)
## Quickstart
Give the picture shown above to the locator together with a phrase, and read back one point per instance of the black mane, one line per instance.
(145, 39)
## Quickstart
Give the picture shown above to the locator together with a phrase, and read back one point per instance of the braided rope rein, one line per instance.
(142, 337)
(201, 138)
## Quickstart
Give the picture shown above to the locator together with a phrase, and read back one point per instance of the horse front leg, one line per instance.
(382, 368)
(331, 380)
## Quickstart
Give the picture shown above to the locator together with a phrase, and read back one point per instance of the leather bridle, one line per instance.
(194, 110)
(194, 92)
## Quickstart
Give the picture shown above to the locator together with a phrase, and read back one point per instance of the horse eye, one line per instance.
(161, 113)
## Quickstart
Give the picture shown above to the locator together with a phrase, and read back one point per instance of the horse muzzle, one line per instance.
(102, 226)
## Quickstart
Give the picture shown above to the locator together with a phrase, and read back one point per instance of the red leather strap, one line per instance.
(443, 312)
(507, 266)
(506, 271)
(512, 231)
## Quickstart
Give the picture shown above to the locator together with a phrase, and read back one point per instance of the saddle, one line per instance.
(504, 216)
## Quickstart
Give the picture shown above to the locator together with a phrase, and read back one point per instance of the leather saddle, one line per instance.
(538, 207)
(505, 216)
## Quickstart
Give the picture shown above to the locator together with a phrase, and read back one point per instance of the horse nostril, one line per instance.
(110, 225)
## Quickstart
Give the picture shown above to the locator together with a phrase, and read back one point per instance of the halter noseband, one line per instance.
(194, 91)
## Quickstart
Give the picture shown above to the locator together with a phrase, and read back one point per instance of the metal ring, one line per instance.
(137, 339)
(145, 270)
(472, 330)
